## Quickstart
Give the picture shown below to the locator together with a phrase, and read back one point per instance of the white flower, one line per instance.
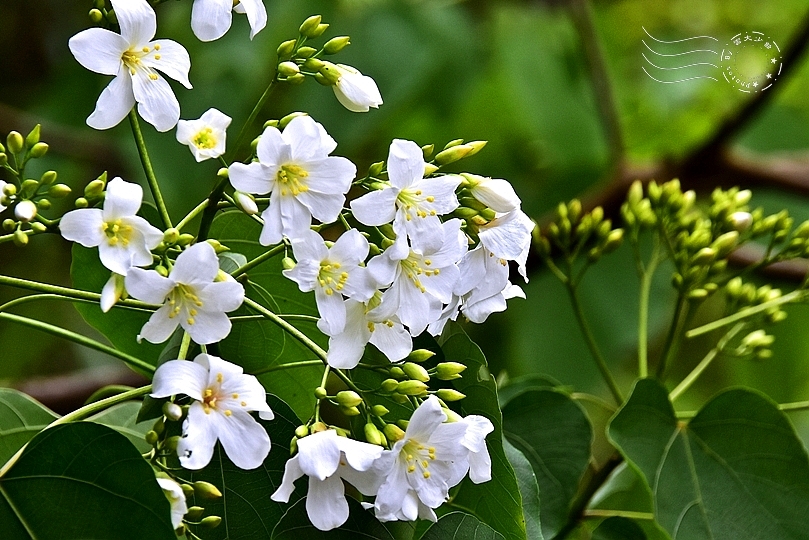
(426, 463)
(134, 60)
(497, 194)
(124, 239)
(411, 201)
(419, 283)
(327, 460)
(508, 237)
(25, 211)
(474, 440)
(223, 399)
(193, 299)
(331, 273)
(355, 91)
(206, 136)
(211, 19)
(112, 292)
(174, 493)
(479, 304)
(301, 177)
(366, 325)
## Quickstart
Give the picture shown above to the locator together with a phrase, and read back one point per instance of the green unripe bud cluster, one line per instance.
(575, 231)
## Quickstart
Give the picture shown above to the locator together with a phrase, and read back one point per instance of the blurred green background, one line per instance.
(513, 73)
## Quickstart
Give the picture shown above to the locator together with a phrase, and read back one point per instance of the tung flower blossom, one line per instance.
(211, 19)
(411, 201)
(193, 300)
(174, 493)
(124, 239)
(301, 177)
(332, 273)
(134, 59)
(355, 91)
(426, 462)
(205, 136)
(223, 399)
(327, 460)
(496, 193)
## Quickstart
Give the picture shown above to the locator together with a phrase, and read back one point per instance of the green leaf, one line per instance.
(245, 507)
(119, 326)
(519, 385)
(461, 526)
(555, 435)
(123, 419)
(736, 471)
(361, 525)
(496, 503)
(82, 480)
(258, 344)
(529, 489)
(618, 528)
(21, 417)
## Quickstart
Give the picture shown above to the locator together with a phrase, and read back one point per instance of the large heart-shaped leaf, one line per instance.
(123, 419)
(82, 480)
(496, 503)
(737, 471)
(361, 525)
(460, 526)
(245, 506)
(529, 489)
(21, 417)
(555, 435)
(618, 528)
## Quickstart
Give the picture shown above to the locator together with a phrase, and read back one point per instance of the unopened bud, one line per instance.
(288, 68)
(614, 240)
(448, 394)
(725, 243)
(162, 270)
(171, 235)
(393, 432)
(159, 426)
(697, 294)
(15, 142)
(411, 388)
(171, 443)
(379, 410)
(704, 256)
(427, 151)
(452, 154)
(350, 411)
(416, 372)
(317, 427)
(302, 431)
(336, 44)
(306, 52)
(194, 513)
(397, 372)
(206, 490)
(348, 398)
(741, 221)
(282, 123)
(389, 385)
(172, 411)
(185, 239)
(321, 28)
(447, 371)
(477, 146)
(151, 437)
(288, 263)
(429, 169)
(285, 49)
(43, 204)
(211, 522)
(25, 211)
(9, 224)
(320, 393)
(372, 435)
(38, 227)
(33, 136)
(20, 239)
(48, 178)
(95, 16)
(309, 26)
(330, 73)
(39, 150)
(3, 158)
(420, 355)
(188, 490)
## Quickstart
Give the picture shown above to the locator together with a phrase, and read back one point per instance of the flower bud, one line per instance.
(416, 372)
(429, 169)
(477, 146)
(697, 294)
(302, 431)
(48, 178)
(393, 432)
(397, 372)
(427, 151)
(452, 154)
(411, 388)
(20, 239)
(9, 224)
(372, 435)
(25, 211)
(206, 490)
(309, 26)
(162, 270)
(317, 427)
(159, 426)
(704, 256)
(320, 393)
(171, 235)
(330, 73)
(286, 48)
(33, 136)
(447, 371)
(725, 243)
(194, 513)
(172, 411)
(741, 221)
(15, 142)
(288, 68)
(95, 16)
(420, 355)
(336, 44)
(453, 142)
(282, 123)
(39, 150)
(306, 52)
(389, 385)
(350, 411)
(379, 410)
(288, 263)
(3, 158)
(43, 204)
(614, 239)
(185, 239)
(448, 394)
(151, 437)
(211, 522)
(38, 227)
(348, 398)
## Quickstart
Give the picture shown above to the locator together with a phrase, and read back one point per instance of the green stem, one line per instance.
(32, 297)
(184, 346)
(78, 338)
(147, 168)
(249, 265)
(599, 513)
(646, 276)
(67, 292)
(691, 378)
(253, 114)
(289, 328)
(292, 365)
(745, 313)
(795, 406)
(591, 344)
(81, 413)
(192, 214)
(580, 396)
(673, 335)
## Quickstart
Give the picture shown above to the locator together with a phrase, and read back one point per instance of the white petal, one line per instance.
(359, 455)
(319, 454)
(273, 150)
(196, 264)
(156, 101)
(426, 418)
(137, 20)
(251, 178)
(295, 217)
(148, 285)
(122, 199)
(507, 235)
(310, 247)
(144, 233)
(244, 440)
(179, 377)
(98, 50)
(394, 341)
(392, 493)
(405, 163)
(208, 327)
(211, 19)
(111, 292)
(256, 15)
(346, 348)
(83, 226)
(117, 258)
(375, 208)
(292, 471)
(352, 247)
(308, 140)
(383, 269)
(480, 466)
(272, 232)
(326, 504)
(195, 447)
(222, 296)
(174, 60)
(174, 493)
(497, 194)
(114, 103)
(426, 234)
(160, 326)
(355, 91)
(331, 175)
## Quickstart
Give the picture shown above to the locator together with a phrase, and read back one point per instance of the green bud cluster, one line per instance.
(297, 60)
(577, 233)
